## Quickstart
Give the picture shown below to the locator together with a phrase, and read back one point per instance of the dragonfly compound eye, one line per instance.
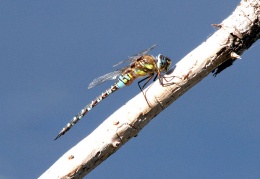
(168, 63)
(163, 63)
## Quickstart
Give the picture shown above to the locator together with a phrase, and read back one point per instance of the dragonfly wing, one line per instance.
(145, 51)
(136, 56)
(130, 59)
(109, 76)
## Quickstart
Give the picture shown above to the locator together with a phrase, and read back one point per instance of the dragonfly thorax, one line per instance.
(163, 63)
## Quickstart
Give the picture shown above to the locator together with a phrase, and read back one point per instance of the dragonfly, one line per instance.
(141, 65)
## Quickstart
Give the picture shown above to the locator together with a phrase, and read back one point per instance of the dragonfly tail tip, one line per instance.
(59, 135)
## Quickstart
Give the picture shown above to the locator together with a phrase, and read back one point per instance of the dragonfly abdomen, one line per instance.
(84, 111)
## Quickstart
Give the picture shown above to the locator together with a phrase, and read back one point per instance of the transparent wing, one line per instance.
(136, 56)
(109, 76)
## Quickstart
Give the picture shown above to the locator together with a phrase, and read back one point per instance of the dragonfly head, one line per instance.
(163, 63)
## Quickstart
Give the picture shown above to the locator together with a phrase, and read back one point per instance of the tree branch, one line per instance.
(235, 35)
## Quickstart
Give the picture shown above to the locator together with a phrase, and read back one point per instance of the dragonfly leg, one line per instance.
(160, 78)
(166, 79)
(155, 77)
(148, 78)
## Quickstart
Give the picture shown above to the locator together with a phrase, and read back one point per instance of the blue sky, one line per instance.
(52, 50)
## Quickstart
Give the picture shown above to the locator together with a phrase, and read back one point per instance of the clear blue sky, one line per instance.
(51, 50)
